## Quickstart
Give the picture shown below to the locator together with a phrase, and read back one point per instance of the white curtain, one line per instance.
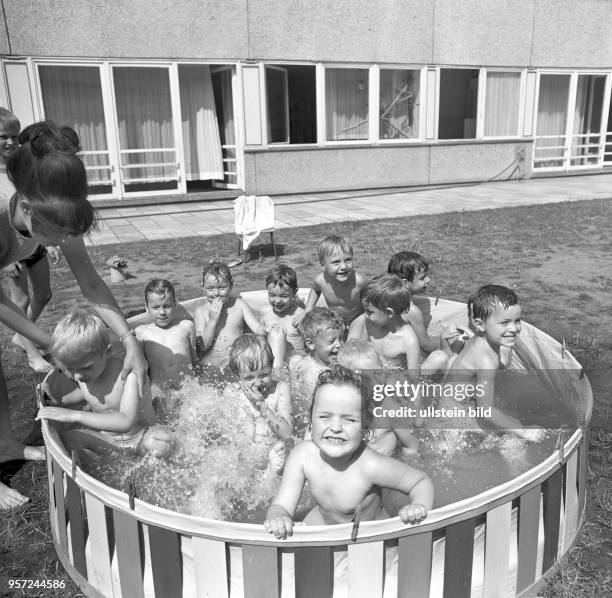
(502, 105)
(399, 104)
(222, 86)
(346, 99)
(144, 115)
(201, 139)
(72, 95)
(552, 117)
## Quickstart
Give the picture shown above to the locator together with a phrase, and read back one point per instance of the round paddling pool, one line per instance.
(501, 542)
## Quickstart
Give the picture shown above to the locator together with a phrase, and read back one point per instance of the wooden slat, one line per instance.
(210, 562)
(552, 489)
(129, 555)
(314, 576)
(458, 558)
(497, 551)
(414, 565)
(571, 500)
(99, 565)
(52, 505)
(58, 488)
(77, 526)
(165, 547)
(582, 471)
(366, 569)
(260, 571)
(528, 527)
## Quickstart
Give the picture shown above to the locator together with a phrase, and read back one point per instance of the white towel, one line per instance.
(253, 214)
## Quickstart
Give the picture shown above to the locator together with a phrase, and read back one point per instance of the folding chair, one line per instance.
(253, 215)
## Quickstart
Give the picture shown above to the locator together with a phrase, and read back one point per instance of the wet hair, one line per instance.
(217, 270)
(78, 333)
(161, 287)
(282, 275)
(7, 118)
(386, 290)
(250, 352)
(487, 299)
(406, 264)
(319, 319)
(355, 352)
(46, 170)
(338, 375)
(333, 244)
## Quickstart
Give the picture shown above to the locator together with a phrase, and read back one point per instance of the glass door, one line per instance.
(587, 140)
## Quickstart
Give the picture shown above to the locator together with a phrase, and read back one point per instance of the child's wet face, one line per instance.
(503, 326)
(419, 282)
(87, 367)
(216, 288)
(377, 317)
(281, 298)
(325, 345)
(339, 265)
(259, 379)
(161, 309)
(336, 420)
(8, 140)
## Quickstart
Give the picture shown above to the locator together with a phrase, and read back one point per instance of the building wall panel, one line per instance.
(209, 29)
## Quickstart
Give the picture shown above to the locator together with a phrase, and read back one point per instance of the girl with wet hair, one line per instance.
(50, 207)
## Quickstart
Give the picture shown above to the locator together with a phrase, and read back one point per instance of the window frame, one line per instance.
(482, 101)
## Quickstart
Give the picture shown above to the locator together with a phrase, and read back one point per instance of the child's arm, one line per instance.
(313, 296)
(357, 329)
(391, 473)
(279, 518)
(404, 435)
(109, 421)
(280, 420)
(426, 342)
(410, 346)
(277, 339)
(251, 320)
(205, 322)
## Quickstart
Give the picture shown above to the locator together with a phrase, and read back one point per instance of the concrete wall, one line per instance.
(562, 33)
(272, 172)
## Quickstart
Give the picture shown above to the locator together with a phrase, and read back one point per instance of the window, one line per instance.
(458, 103)
(346, 104)
(552, 121)
(291, 104)
(399, 104)
(588, 120)
(502, 104)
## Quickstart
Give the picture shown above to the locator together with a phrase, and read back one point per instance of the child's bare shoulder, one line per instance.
(319, 280)
(143, 330)
(360, 280)
(186, 325)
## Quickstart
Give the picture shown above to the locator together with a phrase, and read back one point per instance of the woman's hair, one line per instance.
(218, 270)
(340, 376)
(78, 333)
(161, 287)
(250, 352)
(46, 170)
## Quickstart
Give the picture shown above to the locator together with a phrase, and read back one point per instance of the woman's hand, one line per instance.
(54, 254)
(58, 414)
(136, 362)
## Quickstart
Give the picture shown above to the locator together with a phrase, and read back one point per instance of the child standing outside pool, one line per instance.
(220, 320)
(339, 283)
(117, 418)
(495, 313)
(168, 342)
(345, 475)
(282, 286)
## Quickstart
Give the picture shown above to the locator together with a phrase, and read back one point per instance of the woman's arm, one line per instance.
(251, 320)
(96, 291)
(14, 318)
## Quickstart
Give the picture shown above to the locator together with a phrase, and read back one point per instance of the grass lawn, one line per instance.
(556, 257)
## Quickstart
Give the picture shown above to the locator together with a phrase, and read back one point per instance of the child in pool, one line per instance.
(413, 269)
(168, 341)
(323, 333)
(282, 286)
(385, 299)
(117, 418)
(267, 402)
(495, 313)
(345, 475)
(393, 433)
(220, 320)
(339, 283)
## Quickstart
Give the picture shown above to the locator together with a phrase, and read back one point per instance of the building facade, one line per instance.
(291, 96)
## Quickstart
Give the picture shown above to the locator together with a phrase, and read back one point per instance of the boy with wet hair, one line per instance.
(495, 313)
(283, 310)
(221, 318)
(169, 339)
(117, 419)
(339, 283)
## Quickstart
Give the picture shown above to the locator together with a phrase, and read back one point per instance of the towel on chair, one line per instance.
(253, 214)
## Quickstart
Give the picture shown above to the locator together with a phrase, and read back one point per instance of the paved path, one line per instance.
(215, 217)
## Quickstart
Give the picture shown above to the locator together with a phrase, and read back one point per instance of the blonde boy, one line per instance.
(168, 341)
(495, 314)
(339, 283)
(117, 419)
(220, 320)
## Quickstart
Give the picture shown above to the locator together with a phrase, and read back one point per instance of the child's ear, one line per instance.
(390, 312)
(309, 344)
(479, 325)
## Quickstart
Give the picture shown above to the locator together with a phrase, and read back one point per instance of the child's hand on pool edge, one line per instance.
(533, 434)
(413, 513)
(278, 522)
